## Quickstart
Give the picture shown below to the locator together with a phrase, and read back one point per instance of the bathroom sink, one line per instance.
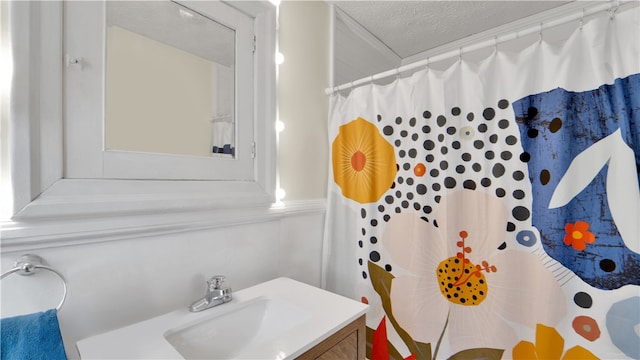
(246, 331)
(278, 319)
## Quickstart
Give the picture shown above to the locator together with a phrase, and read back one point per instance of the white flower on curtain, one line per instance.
(444, 291)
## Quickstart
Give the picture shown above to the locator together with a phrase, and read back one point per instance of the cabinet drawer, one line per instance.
(347, 343)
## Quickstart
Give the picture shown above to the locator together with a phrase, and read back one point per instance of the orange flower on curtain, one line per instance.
(364, 162)
(577, 235)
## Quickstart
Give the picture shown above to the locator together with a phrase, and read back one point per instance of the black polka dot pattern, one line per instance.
(607, 265)
(583, 300)
(460, 148)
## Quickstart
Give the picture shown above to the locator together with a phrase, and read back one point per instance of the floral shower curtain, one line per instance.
(492, 209)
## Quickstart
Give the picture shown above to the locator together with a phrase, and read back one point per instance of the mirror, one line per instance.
(90, 152)
(169, 80)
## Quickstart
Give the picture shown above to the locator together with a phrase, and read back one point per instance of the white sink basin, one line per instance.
(244, 331)
(278, 319)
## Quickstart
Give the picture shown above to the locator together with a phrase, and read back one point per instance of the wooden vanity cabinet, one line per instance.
(347, 343)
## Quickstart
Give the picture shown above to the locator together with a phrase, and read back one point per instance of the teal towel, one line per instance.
(33, 336)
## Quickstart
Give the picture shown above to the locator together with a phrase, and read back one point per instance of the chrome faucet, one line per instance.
(215, 295)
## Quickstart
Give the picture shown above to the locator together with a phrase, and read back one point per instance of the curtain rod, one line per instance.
(586, 11)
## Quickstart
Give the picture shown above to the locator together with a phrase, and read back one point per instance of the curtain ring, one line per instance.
(371, 79)
(540, 33)
(397, 73)
(460, 54)
(495, 44)
(428, 60)
(613, 10)
(582, 19)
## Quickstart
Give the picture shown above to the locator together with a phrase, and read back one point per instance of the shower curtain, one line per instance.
(491, 209)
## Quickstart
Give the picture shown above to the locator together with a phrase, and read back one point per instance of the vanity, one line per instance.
(277, 319)
(347, 343)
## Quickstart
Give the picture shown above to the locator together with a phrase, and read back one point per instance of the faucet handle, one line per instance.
(215, 282)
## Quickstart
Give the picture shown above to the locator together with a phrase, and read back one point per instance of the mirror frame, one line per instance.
(85, 104)
(39, 185)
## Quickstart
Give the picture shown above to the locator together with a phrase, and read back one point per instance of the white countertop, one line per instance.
(327, 313)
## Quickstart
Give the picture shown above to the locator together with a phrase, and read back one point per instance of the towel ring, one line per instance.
(28, 264)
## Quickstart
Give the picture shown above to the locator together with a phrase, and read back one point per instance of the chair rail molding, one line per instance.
(73, 230)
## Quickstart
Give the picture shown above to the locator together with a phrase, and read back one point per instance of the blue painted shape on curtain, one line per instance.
(584, 151)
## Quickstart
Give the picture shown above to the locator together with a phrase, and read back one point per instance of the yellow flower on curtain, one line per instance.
(549, 345)
(364, 162)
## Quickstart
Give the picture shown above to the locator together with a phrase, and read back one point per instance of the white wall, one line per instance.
(303, 145)
(5, 85)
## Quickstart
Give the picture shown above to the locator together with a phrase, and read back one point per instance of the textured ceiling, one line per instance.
(411, 27)
(175, 25)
